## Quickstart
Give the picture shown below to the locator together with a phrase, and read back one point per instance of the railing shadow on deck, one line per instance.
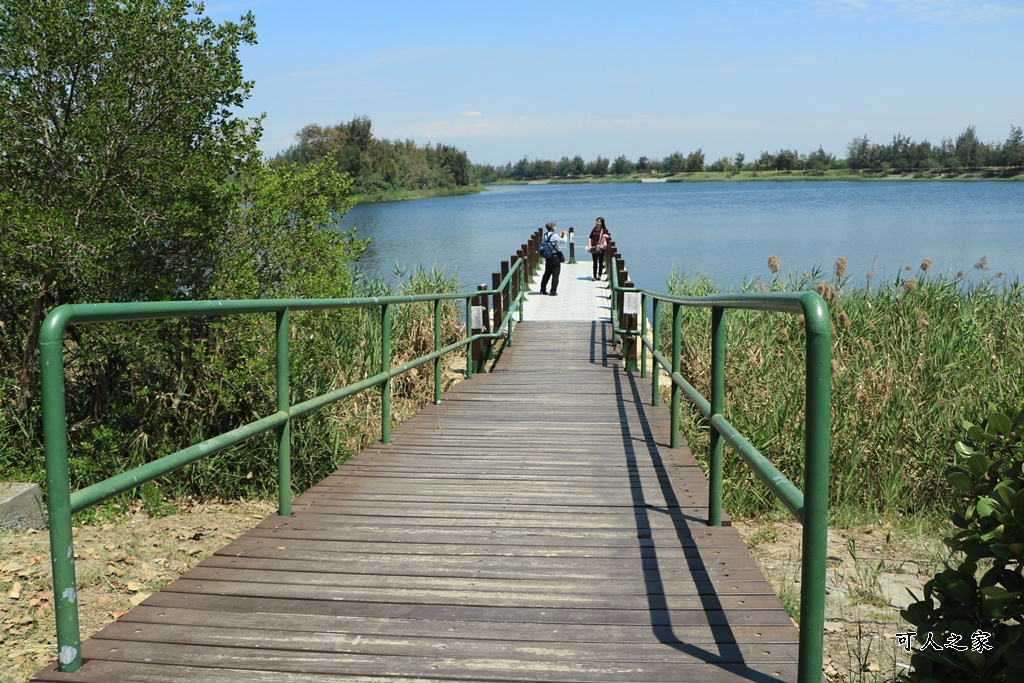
(728, 654)
(810, 506)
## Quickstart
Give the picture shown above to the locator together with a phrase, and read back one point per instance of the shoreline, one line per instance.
(700, 177)
(770, 176)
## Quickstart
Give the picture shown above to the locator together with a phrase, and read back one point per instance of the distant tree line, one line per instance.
(379, 165)
(964, 154)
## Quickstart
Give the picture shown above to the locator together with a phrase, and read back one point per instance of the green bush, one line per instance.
(969, 622)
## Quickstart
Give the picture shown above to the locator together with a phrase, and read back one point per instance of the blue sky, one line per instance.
(504, 80)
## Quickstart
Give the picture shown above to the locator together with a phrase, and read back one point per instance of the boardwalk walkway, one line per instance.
(533, 527)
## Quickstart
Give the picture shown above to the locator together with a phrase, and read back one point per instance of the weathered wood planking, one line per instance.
(535, 526)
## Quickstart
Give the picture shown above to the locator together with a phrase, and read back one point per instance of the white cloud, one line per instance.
(472, 112)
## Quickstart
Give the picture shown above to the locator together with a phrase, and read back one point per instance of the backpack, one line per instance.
(547, 247)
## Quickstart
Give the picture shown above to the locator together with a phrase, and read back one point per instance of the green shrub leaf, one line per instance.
(959, 479)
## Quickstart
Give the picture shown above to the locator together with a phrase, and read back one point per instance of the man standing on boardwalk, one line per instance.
(552, 258)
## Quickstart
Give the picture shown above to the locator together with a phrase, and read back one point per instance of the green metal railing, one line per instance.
(810, 506)
(62, 503)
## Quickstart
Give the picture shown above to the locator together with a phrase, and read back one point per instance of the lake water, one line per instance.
(726, 230)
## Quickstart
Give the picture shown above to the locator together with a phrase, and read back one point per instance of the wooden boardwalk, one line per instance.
(535, 526)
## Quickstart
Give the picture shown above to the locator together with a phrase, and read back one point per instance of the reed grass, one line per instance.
(913, 357)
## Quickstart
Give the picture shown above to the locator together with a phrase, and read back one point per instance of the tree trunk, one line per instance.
(30, 356)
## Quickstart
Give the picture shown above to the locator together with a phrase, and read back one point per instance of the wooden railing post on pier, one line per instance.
(481, 347)
(629, 321)
(523, 281)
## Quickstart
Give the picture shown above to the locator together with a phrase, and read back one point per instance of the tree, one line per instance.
(858, 153)
(597, 167)
(740, 157)
(1013, 149)
(968, 149)
(673, 163)
(622, 165)
(577, 167)
(819, 160)
(722, 165)
(695, 161)
(117, 135)
(785, 160)
(275, 244)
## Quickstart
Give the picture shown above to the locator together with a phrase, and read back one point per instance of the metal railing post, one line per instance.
(385, 366)
(284, 432)
(817, 440)
(437, 347)
(642, 348)
(58, 496)
(676, 365)
(656, 345)
(716, 454)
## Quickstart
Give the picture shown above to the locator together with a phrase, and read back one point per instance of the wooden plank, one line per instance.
(466, 645)
(711, 665)
(647, 617)
(477, 569)
(484, 630)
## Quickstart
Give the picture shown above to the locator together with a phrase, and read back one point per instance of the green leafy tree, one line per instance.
(597, 167)
(622, 165)
(116, 137)
(283, 240)
(819, 160)
(721, 165)
(577, 167)
(858, 153)
(785, 160)
(969, 149)
(695, 161)
(765, 161)
(1013, 150)
(674, 163)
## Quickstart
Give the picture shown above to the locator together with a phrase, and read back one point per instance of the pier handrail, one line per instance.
(810, 506)
(62, 503)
